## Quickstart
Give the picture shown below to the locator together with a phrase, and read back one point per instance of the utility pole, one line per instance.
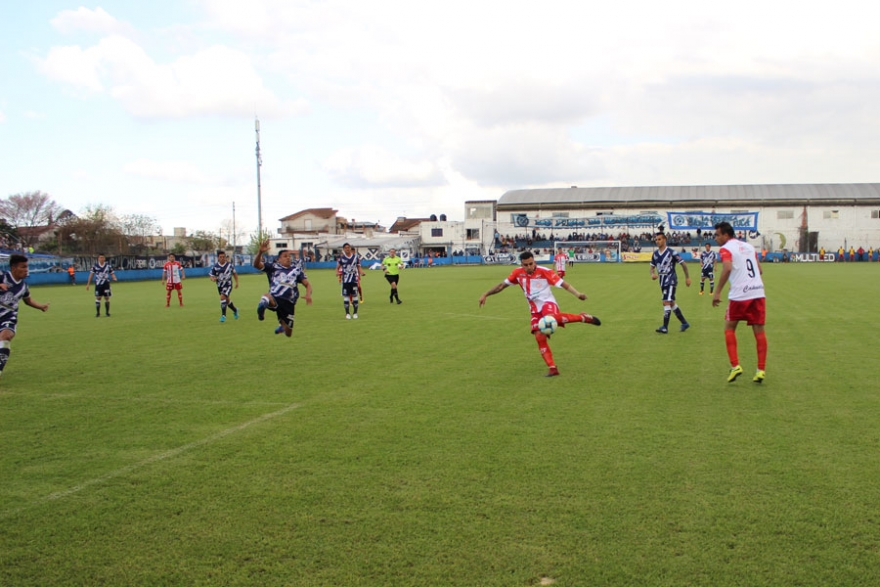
(259, 200)
(233, 234)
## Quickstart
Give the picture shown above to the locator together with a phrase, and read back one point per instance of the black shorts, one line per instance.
(392, 278)
(349, 290)
(668, 292)
(285, 310)
(225, 289)
(103, 291)
(709, 273)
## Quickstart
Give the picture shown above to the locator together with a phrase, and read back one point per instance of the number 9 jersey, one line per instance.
(745, 275)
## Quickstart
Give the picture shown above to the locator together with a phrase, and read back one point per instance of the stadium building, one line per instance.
(785, 217)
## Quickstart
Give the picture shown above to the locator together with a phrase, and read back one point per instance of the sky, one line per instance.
(388, 108)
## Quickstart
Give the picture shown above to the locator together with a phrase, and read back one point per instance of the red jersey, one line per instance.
(536, 286)
(172, 272)
(560, 259)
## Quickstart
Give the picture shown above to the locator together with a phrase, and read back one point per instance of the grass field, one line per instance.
(421, 444)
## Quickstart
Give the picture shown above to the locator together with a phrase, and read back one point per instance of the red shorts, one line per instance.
(548, 309)
(170, 286)
(561, 273)
(752, 311)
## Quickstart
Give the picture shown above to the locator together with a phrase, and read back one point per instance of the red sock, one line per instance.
(564, 319)
(730, 339)
(545, 349)
(761, 340)
(168, 298)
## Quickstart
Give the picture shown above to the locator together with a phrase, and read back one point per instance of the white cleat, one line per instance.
(355, 316)
(348, 316)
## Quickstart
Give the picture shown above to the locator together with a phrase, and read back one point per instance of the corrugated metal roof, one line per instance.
(722, 194)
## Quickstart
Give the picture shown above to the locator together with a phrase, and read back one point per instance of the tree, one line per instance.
(253, 246)
(202, 241)
(29, 209)
(137, 227)
(96, 230)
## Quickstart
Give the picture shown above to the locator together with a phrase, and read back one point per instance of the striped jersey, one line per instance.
(223, 273)
(284, 280)
(536, 286)
(16, 291)
(102, 273)
(665, 263)
(707, 259)
(349, 267)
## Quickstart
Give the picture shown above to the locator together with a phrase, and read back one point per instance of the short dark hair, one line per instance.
(101, 255)
(282, 251)
(17, 260)
(346, 245)
(221, 252)
(660, 233)
(525, 255)
(725, 228)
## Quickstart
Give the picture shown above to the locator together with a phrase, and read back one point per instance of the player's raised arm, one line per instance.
(258, 259)
(571, 289)
(498, 288)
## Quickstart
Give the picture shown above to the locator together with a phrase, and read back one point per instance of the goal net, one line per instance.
(589, 251)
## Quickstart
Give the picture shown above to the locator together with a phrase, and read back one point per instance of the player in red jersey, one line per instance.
(173, 276)
(746, 297)
(560, 259)
(536, 283)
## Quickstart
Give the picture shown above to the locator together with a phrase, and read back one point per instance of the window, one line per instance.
(436, 232)
(784, 214)
(473, 234)
(875, 213)
(560, 215)
(280, 245)
(831, 214)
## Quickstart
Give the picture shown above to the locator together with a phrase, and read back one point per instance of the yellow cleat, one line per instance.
(734, 373)
(759, 377)
(701, 293)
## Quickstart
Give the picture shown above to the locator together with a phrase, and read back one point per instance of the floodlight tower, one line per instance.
(259, 164)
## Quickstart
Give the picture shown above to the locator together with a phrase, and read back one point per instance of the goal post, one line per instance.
(589, 251)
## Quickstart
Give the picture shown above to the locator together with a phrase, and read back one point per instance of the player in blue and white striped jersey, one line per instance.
(707, 262)
(13, 290)
(349, 272)
(222, 273)
(284, 275)
(102, 271)
(664, 261)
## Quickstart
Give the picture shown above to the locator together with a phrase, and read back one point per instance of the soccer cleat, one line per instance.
(662, 330)
(279, 330)
(261, 310)
(553, 372)
(98, 315)
(355, 316)
(222, 318)
(594, 320)
(759, 377)
(701, 292)
(235, 314)
(734, 373)
(685, 326)
(348, 316)
(108, 315)
(398, 301)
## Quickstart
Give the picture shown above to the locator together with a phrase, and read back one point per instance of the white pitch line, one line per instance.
(155, 459)
(473, 316)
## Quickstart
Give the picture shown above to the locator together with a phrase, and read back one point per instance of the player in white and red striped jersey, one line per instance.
(173, 275)
(560, 259)
(740, 266)
(536, 283)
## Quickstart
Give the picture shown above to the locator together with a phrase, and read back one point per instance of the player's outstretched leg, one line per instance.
(680, 316)
(265, 303)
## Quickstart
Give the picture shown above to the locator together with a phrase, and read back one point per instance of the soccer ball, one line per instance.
(547, 325)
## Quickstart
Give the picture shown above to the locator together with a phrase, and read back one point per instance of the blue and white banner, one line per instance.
(708, 220)
(635, 220)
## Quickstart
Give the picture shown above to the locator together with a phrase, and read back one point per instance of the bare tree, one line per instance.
(202, 241)
(29, 209)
